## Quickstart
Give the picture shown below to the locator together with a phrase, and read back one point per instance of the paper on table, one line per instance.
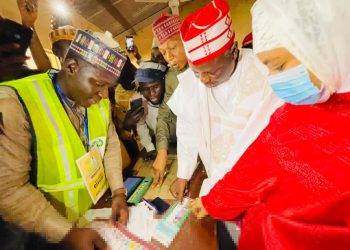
(141, 221)
(93, 214)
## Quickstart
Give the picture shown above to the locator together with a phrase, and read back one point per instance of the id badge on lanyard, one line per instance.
(91, 168)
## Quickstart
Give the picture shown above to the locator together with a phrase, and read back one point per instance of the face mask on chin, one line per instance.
(294, 86)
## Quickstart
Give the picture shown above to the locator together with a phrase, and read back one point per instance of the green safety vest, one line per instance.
(57, 144)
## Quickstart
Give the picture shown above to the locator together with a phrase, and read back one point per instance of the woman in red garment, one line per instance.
(291, 188)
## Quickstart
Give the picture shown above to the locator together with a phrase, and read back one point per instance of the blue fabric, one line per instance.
(149, 75)
(295, 86)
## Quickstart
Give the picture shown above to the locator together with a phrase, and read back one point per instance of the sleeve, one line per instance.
(166, 119)
(20, 202)
(187, 152)
(143, 132)
(234, 194)
(113, 159)
(186, 133)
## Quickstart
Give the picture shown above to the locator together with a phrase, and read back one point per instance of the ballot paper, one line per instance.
(93, 214)
(118, 237)
(141, 221)
(168, 227)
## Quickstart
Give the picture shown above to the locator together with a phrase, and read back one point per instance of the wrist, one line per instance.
(163, 152)
(28, 24)
(120, 192)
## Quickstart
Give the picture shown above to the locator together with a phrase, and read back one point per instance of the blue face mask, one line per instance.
(295, 86)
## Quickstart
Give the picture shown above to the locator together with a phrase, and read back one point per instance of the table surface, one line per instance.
(194, 233)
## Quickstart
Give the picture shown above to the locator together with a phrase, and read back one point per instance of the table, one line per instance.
(194, 233)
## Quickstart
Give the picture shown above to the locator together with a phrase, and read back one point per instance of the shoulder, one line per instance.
(11, 109)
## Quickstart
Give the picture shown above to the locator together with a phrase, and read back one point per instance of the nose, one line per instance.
(205, 78)
(153, 92)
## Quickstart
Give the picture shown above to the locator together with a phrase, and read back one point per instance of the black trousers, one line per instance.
(225, 241)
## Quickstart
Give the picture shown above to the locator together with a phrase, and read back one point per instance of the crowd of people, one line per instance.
(267, 120)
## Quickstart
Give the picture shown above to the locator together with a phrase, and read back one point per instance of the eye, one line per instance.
(196, 74)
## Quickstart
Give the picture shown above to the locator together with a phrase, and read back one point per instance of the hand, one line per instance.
(29, 11)
(120, 209)
(159, 166)
(132, 117)
(198, 209)
(83, 239)
(179, 188)
(151, 155)
(136, 53)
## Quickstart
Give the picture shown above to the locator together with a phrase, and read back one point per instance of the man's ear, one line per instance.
(235, 50)
(71, 66)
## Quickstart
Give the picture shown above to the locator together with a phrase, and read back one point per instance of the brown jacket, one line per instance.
(20, 201)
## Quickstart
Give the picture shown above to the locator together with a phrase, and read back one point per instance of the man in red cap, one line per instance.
(167, 33)
(215, 100)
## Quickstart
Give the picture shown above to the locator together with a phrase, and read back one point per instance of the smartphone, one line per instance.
(160, 205)
(135, 104)
(129, 40)
(12, 32)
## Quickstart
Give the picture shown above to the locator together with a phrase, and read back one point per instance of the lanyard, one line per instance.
(65, 99)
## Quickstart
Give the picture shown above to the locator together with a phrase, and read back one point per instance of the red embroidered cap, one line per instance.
(165, 27)
(207, 33)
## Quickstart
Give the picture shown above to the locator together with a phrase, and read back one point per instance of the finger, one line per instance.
(124, 216)
(201, 214)
(173, 192)
(115, 213)
(99, 242)
(161, 176)
(156, 177)
(137, 111)
(180, 196)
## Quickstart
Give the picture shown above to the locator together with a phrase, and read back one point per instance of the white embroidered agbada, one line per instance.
(220, 123)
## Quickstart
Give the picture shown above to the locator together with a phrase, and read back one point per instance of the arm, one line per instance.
(20, 202)
(29, 14)
(143, 132)
(114, 172)
(166, 120)
(240, 189)
(112, 159)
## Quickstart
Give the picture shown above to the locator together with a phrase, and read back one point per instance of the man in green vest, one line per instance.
(49, 125)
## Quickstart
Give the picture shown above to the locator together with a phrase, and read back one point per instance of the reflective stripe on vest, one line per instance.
(58, 145)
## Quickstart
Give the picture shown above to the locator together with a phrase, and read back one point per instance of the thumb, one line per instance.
(181, 195)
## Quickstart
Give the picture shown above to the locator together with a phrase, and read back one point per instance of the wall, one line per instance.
(9, 9)
(240, 10)
(241, 20)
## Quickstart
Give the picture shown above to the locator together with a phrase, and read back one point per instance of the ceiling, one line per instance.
(120, 17)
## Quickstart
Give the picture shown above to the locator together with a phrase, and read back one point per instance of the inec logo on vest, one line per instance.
(100, 143)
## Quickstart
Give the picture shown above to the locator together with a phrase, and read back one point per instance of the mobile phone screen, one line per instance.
(129, 43)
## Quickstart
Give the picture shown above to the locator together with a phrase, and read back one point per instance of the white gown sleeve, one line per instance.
(183, 104)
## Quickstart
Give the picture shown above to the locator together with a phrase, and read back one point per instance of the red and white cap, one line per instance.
(207, 33)
(248, 39)
(165, 27)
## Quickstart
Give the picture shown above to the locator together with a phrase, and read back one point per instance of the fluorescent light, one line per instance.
(60, 8)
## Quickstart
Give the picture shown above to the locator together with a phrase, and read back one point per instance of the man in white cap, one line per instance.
(215, 100)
